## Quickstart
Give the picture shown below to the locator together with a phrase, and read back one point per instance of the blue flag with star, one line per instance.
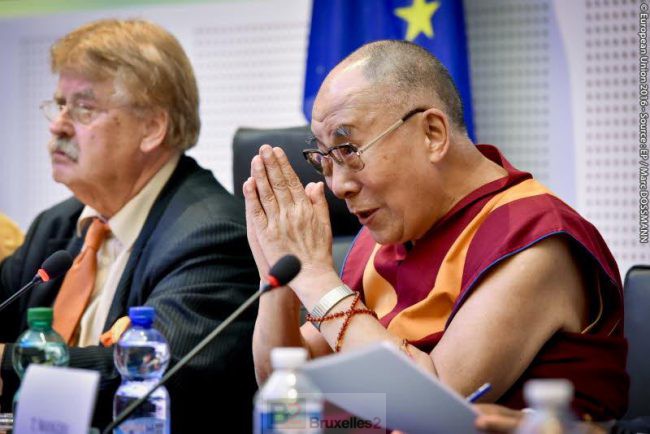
(338, 27)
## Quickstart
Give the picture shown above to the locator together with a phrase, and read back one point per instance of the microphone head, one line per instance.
(55, 265)
(284, 271)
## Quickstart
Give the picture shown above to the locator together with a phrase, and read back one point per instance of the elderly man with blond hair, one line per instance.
(154, 227)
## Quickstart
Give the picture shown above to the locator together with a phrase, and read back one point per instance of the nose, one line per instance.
(61, 125)
(342, 182)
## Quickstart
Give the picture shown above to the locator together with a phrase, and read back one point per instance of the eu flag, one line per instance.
(338, 27)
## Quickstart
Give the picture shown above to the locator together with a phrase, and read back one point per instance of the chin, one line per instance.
(62, 176)
(57, 176)
(384, 237)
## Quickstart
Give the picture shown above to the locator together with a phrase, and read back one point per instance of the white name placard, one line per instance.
(56, 400)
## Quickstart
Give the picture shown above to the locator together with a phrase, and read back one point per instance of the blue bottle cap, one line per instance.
(142, 315)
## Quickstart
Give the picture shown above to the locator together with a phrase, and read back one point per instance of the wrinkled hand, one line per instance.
(495, 418)
(283, 217)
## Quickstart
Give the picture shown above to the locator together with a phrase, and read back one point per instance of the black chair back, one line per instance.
(637, 331)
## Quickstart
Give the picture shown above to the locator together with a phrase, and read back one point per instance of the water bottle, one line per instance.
(39, 344)
(141, 357)
(288, 403)
(551, 413)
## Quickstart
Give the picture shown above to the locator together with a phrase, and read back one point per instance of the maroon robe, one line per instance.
(416, 290)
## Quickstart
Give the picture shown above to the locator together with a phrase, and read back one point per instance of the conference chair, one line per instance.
(293, 140)
(637, 331)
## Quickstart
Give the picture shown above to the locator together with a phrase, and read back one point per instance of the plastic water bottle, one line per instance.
(141, 357)
(288, 403)
(550, 401)
(39, 344)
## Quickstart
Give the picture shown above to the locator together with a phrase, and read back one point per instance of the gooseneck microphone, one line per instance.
(279, 275)
(282, 272)
(54, 266)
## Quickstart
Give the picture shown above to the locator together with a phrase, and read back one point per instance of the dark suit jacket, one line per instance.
(191, 262)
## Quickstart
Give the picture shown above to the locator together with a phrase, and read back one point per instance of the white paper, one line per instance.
(56, 400)
(415, 401)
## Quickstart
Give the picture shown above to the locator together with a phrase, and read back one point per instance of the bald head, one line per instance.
(404, 75)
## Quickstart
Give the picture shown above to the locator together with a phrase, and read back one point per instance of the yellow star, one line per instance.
(418, 16)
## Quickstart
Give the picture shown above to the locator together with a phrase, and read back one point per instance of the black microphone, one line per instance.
(282, 272)
(279, 275)
(54, 266)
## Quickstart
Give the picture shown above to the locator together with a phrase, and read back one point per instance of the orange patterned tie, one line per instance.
(78, 284)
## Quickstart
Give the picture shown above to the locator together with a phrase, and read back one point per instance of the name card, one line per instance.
(56, 400)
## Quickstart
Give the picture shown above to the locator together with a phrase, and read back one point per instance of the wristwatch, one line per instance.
(329, 300)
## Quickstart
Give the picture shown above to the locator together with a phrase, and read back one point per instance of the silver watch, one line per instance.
(329, 300)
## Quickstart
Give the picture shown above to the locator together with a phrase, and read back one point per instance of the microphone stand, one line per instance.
(198, 348)
(35, 281)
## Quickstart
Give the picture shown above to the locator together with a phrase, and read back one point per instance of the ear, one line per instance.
(437, 134)
(156, 121)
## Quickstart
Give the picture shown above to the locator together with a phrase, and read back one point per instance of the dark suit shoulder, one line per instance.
(196, 189)
(193, 201)
(60, 220)
(50, 231)
(194, 217)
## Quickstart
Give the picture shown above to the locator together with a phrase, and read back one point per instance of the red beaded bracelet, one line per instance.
(348, 314)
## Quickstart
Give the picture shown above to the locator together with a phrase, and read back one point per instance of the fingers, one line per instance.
(254, 213)
(263, 190)
(316, 194)
(275, 173)
(282, 215)
(494, 423)
(291, 179)
(277, 182)
(498, 410)
(497, 419)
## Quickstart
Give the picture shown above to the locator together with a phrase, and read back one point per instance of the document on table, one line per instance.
(415, 401)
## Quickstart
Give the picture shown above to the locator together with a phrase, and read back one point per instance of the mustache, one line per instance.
(66, 146)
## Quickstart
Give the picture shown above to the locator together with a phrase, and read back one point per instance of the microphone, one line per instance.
(280, 274)
(54, 266)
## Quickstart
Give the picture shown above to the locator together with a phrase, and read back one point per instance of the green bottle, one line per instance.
(39, 344)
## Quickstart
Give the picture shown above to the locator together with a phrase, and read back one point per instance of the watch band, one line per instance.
(329, 300)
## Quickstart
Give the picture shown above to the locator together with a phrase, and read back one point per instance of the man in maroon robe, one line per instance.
(472, 267)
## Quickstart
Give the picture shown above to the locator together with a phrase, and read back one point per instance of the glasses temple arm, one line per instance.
(381, 136)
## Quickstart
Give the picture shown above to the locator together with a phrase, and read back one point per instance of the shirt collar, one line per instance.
(127, 222)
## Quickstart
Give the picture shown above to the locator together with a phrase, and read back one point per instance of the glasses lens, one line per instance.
(348, 156)
(82, 115)
(315, 159)
(326, 165)
(50, 110)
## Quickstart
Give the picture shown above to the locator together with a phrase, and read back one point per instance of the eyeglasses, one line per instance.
(347, 154)
(78, 113)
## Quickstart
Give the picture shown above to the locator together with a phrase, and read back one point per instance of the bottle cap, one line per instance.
(288, 357)
(552, 392)
(142, 316)
(39, 315)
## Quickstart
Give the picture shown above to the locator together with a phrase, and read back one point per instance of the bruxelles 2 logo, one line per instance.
(295, 415)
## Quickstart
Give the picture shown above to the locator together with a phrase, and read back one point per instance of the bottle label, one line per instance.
(299, 416)
(142, 425)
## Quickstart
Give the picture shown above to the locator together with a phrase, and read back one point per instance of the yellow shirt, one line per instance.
(11, 237)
